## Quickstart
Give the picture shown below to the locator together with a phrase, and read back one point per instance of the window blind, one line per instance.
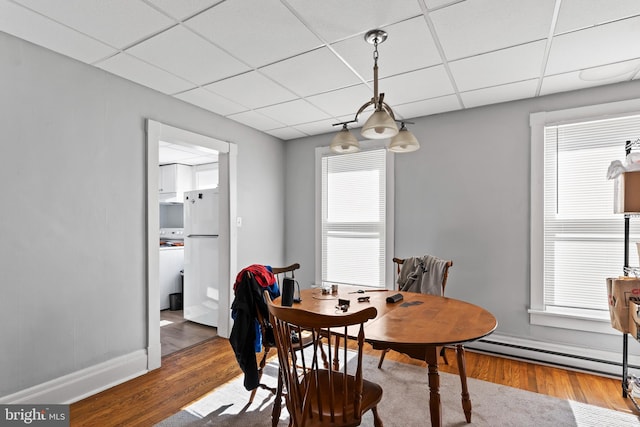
(583, 238)
(353, 218)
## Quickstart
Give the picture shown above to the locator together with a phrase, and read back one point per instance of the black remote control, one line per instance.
(394, 298)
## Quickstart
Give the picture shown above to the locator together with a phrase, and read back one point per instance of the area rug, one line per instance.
(405, 403)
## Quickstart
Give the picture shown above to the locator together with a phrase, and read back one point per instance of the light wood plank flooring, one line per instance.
(188, 374)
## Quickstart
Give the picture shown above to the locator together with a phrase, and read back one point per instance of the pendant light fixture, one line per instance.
(404, 141)
(382, 123)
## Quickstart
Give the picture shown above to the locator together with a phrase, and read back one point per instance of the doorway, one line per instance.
(183, 168)
(227, 153)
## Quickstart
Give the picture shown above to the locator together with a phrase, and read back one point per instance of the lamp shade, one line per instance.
(379, 126)
(404, 142)
(344, 142)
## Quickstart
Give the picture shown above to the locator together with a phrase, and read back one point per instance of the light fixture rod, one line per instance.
(345, 123)
(375, 37)
(375, 72)
(375, 83)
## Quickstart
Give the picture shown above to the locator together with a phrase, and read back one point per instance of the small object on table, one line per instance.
(395, 298)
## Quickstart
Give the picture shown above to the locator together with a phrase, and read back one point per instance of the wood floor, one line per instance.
(188, 374)
(178, 333)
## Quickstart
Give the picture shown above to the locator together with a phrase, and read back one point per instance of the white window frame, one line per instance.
(538, 314)
(389, 213)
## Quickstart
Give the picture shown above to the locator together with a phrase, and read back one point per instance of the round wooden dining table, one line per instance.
(418, 326)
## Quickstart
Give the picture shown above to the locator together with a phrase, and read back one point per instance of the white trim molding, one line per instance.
(83, 383)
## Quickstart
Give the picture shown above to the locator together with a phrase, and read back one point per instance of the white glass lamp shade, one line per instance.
(344, 142)
(379, 126)
(404, 142)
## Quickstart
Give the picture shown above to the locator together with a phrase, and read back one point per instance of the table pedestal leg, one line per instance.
(462, 370)
(435, 405)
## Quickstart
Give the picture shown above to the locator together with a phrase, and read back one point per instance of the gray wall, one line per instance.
(72, 225)
(463, 196)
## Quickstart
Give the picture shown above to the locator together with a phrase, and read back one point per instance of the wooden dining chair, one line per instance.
(316, 395)
(462, 368)
(442, 280)
(268, 342)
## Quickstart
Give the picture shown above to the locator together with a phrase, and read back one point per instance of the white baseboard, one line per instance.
(600, 362)
(83, 383)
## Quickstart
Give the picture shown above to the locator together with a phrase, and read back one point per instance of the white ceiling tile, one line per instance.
(427, 107)
(473, 27)
(338, 19)
(595, 46)
(319, 127)
(434, 4)
(518, 63)
(564, 82)
(311, 73)
(577, 14)
(252, 90)
(589, 77)
(294, 112)
(133, 69)
(183, 8)
(118, 23)
(611, 73)
(256, 120)
(258, 41)
(342, 101)
(502, 93)
(210, 101)
(409, 46)
(188, 55)
(422, 84)
(37, 29)
(286, 133)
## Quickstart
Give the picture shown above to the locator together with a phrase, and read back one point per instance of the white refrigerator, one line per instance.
(201, 253)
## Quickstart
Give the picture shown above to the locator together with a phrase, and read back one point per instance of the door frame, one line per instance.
(227, 161)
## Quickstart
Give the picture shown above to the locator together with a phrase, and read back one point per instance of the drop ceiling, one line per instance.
(292, 68)
(186, 154)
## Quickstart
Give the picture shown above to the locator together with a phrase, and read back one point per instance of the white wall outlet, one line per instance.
(239, 221)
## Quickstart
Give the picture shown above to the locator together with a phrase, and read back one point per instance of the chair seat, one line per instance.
(371, 396)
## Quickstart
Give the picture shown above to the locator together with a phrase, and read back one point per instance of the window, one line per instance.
(353, 217)
(577, 240)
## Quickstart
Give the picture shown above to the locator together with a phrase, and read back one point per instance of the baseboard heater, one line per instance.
(553, 357)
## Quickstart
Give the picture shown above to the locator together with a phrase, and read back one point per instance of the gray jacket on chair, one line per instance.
(422, 274)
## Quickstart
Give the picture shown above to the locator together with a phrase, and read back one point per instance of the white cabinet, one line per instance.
(171, 262)
(173, 181)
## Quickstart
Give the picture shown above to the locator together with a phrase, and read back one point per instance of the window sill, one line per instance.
(578, 320)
